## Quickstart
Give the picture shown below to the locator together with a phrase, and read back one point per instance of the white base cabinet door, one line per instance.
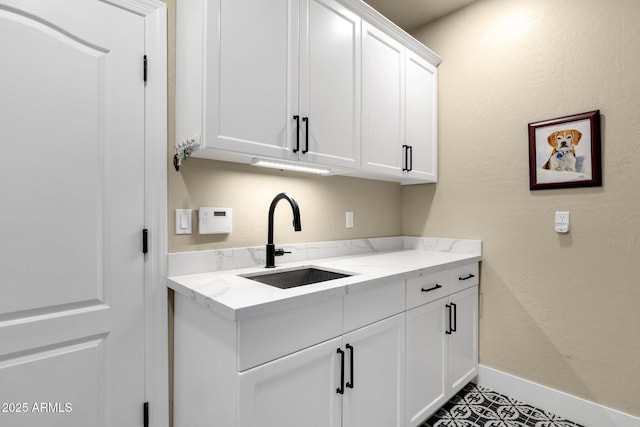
(352, 381)
(427, 381)
(442, 352)
(293, 391)
(374, 393)
(463, 340)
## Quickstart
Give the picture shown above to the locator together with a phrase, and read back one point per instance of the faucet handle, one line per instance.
(280, 252)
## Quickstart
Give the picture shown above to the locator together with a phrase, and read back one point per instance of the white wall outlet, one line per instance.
(349, 219)
(184, 224)
(562, 222)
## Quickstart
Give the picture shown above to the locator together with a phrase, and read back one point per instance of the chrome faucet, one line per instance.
(272, 252)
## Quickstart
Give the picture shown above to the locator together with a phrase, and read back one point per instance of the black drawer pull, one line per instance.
(469, 276)
(448, 332)
(437, 286)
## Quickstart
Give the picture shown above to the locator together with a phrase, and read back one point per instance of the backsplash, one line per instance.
(182, 263)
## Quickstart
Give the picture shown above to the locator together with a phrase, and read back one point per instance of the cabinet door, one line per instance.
(251, 76)
(421, 118)
(377, 375)
(383, 103)
(463, 342)
(293, 391)
(426, 361)
(329, 83)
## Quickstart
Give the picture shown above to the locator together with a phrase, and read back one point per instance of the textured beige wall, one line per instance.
(249, 190)
(560, 310)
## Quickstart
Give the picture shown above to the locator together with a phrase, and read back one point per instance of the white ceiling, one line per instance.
(412, 14)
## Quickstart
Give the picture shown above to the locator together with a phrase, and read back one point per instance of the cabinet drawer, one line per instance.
(427, 288)
(265, 338)
(370, 305)
(463, 277)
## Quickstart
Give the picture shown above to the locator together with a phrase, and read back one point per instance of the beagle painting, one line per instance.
(563, 156)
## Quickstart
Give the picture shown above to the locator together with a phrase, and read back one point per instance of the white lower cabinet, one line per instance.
(293, 391)
(442, 352)
(374, 383)
(426, 361)
(386, 355)
(463, 340)
(354, 380)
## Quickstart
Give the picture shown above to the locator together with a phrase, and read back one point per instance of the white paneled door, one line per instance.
(72, 271)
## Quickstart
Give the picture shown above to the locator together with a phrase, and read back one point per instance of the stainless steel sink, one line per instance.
(293, 278)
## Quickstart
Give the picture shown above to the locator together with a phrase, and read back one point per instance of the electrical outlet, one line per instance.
(562, 222)
(349, 219)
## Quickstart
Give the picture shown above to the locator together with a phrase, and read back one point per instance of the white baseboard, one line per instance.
(565, 405)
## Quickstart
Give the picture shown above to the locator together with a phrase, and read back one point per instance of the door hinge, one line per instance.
(145, 241)
(145, 414)
(144, 72)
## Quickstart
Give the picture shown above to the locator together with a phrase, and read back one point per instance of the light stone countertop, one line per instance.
(238, 298)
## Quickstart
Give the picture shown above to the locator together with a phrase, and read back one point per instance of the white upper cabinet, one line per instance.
(250, 89)
(323, 82)
(421, 122)
(329, 105)
(236, 76)
(383, 102)
(277, 79)
(399, 110)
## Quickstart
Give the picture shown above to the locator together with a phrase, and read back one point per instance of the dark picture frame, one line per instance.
(565, 152)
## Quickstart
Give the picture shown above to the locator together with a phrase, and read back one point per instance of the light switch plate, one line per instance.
(184, 223)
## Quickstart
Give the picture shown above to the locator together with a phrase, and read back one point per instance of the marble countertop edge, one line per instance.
(236, 298)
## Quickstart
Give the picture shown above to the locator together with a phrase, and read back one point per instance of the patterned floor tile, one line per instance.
(477, 406)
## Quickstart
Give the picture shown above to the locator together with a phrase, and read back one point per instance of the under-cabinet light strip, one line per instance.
(289, 166)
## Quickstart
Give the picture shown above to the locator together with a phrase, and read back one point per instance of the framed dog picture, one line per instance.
(565, 152)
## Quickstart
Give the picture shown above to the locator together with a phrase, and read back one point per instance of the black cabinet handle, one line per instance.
(340, 390)
(145, 241)
(455, 317)
(408, 158)
(297, 119)
(350, 348)
(306, 130)
(448, 331)
(437, 286)
(467, 277)
(405, 167)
